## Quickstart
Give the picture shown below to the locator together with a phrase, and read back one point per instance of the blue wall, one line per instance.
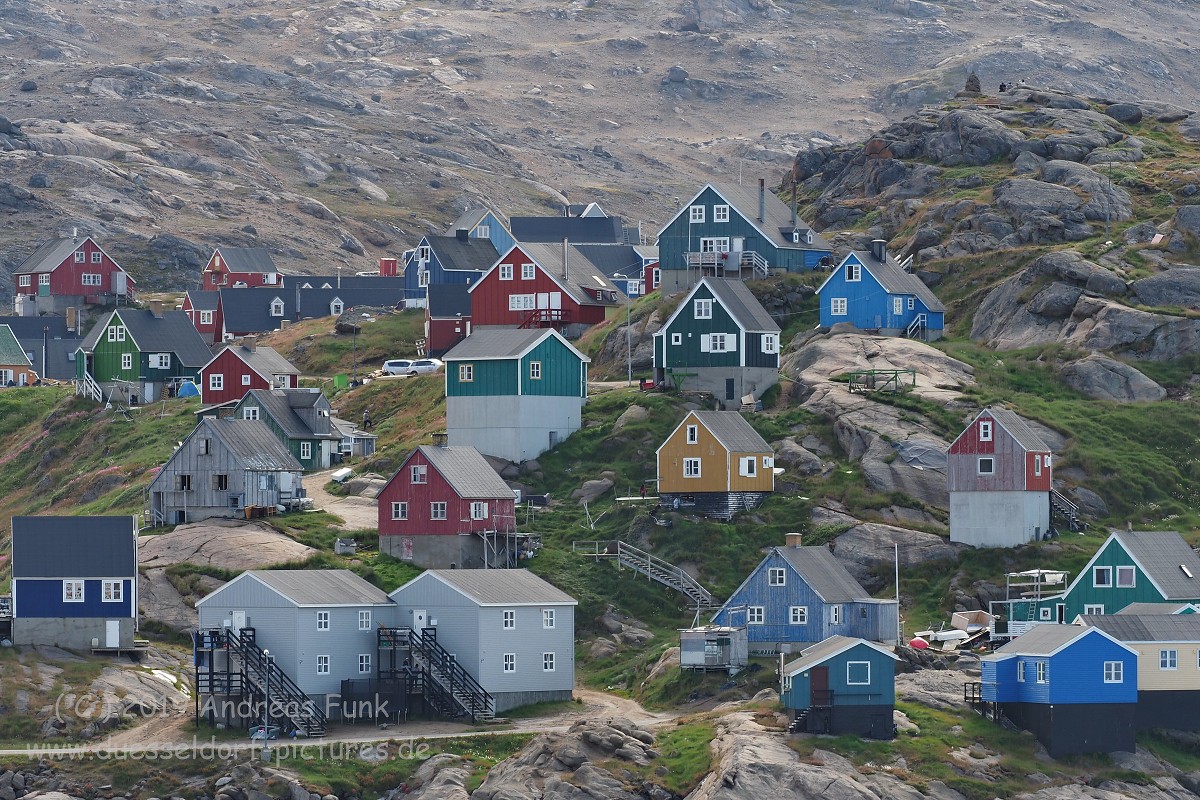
(437, 273)
(42, 597)
(880, 691)
(868, 304)
(1073, 675)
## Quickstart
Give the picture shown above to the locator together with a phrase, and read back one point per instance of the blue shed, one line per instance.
(872, 291)
(1074, 688)
(799, 595)
(843, 685)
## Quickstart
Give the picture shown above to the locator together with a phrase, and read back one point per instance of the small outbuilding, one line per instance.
(842, 685)
(713, 648)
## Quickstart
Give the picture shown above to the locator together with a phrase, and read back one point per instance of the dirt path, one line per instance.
(357, 513)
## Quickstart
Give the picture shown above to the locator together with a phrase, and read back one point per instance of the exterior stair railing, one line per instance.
(653, 567)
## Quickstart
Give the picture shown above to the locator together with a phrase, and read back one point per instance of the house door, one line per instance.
(148, 392)
(818, 686)
(555, 300)
(239, 620)
(112, 633)
(420, 619)
(543, 300)
(729, 390)
(1061, 613)
(739, 244)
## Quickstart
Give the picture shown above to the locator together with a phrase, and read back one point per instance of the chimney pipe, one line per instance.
(762, 199)
(793, 199)
(461, 235)
(879, 250)
(249, 342)
(156, 309)
(566, 245)
(793, 539)
(74, 234)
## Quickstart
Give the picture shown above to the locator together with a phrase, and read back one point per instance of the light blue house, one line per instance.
(872, 291)
(729, 231)
(841, 686)
(466, 250)
(800, 595)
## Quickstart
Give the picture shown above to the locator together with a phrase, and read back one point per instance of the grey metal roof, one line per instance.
(281, 405)
(824, 574)
(581, 273)
(60, 353)
(448, 300)
(251, 442)
(247, 259)
(1164, 555)
(824, 650)
(577, 230)
(322, 587)
(34, 327)
(11, 352)
(467, 220)
(345, 428)
(778, 216)
(316, 303)
(49, 255)
(741, 303)
(1019, 430)
(266, 361)
(1042, 640)
(895, 280)
(343, 282)
(613, 258)
(204, 301)
(733, 431)
(498, 587)
(1143, 609)
(467, 472)
(473, 254)
(248, 310)
(1147, 628)
(74, 547)
(498, 341)
(173, 333)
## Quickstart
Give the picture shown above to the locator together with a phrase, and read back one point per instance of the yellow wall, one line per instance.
(718, 472)
(764, 477)
(1150, 677)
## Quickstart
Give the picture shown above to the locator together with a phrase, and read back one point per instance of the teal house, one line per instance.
(841, 685)
(730, 231)
(514, 393)
(299, 418)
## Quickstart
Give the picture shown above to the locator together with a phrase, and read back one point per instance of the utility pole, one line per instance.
(628, 325)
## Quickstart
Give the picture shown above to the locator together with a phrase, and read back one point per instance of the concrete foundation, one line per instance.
(715, 381)
(455, 551)
(999, 519)
(72, 634)
(509, 700)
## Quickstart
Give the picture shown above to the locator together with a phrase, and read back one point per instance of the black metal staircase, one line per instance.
(448, 689)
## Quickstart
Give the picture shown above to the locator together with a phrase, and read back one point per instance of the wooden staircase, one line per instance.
(653, 567)
(1067, 510)
(87, 387)
(918, 328)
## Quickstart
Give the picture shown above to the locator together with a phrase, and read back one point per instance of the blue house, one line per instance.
(74, 582)
(1074, 688)
(872, 291)
(460, 255)
(727, 230)
(799, 595)
(841, 686)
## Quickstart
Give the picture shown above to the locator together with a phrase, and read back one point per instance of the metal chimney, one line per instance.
(566, 246)
(762, 199)
(879, 250)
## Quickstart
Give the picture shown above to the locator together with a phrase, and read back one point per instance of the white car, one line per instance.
(424, 365)
(399, 366)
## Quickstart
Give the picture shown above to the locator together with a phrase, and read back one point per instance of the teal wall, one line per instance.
(688, 354)
(561, 371)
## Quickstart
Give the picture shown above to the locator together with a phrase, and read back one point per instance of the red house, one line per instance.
(447, 317)
(238, 368)
(446, 507)
(651, 277)
(998, 474)
(239, 266)
(64, 273)
(204, 310)
(543, 286)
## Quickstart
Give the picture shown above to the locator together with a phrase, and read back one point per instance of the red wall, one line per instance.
(1013, 464)
(389, 268)
(418, 496)
(445, 333)
(67, 278)
(214, 277)
(489, 296)
(233, 368)
(211, 333)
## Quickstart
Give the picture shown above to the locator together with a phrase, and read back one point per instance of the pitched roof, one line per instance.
(281, 405)
(498, 342)
(613, 258)
(11, 352)
(467, 472)
(251, 442)
(1147, 628)
(577, 230)
(315, 303)
(172, 332)
(472, 254)
(247, 259)
(581, 274)
(248, 310)
(1143, 609)
(467, 220)
(266, 361)
(824, 574)
(896, 280)
(1018, 428)
(60, 357)
(733, 431)
(49, 255)
(383, 282)
(448, 300)
(204, 301)
(322, 587)
(1167, 559)
(827, 649)
(35, 327)
(499, 587)
(74, 547)
(741, 304)
(346, 428)
(777, 221)
(1042, 640)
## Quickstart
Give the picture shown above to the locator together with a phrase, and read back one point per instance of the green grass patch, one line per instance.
(686, 756)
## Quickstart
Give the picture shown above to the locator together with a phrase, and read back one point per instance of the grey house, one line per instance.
(223, 468)
(509, 629)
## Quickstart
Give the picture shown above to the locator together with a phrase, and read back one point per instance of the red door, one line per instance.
(818, 686)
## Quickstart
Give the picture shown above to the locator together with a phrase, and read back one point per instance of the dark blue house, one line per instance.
(446, 259)
(74, 582)
(841, 686)
(1074, 688)
(728, 230)
(872, 291)
(800, 595)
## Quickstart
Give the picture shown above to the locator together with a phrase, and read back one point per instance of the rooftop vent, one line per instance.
(1186, 571)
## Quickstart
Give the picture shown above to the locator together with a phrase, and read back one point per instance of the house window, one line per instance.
(250, 412)
(112, 591)
(466, 373)
(336, 308)
(770, 343)
(897, 305)
(1020, 672)
(183, 483)
(853, 271)
(696, 214)
(216, 382)
(506, 272)
(985, 431)
(399, 510)
(126, 360)
(206, 318)
(1037, 467)
(266, 480)
(835, 615)
(858, 673)
(510, 620)
(717, 342)
(437, 510)
(1093, 608)
(912, 303)
(72, 591)
(1168, 659)
(160, 361)
(422, 278)
(749, 465)
(322, 620)
(714, 244)
(693, 434)
(754, 615)
(483, 231)
(535, 370)
(116, 333)
(547, 662)
(80, 257)
(322, 665)
(1042, 675)
(720, 214)
(1045, 613)
(423, 252)
(97, 257)
(510, 662)
(776, 576)
(246, 381)
(987, 465)
(306, 449)
(798, 615)
(479, 510)
(25, 280)
(676, 338)
(522, 302)
(528, 272)
(1046, 460)
(419, 474)
(221, 483)
(364, 663)
(702, 309)
(276, 307)
(691, 468)
(90, 279)
(655, 278)
(547, 618)
(837, 306)
(1114, 672)
(44, 279)
(1126, 577)
(1102, 577)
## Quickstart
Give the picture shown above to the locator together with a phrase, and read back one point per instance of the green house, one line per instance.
(137, 354)
(514, 393)
(300, 419)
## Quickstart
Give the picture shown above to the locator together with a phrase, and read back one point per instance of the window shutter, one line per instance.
(705, 343)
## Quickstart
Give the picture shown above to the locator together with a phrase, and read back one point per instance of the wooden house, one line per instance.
(75, 582)
(998, 472)
(512, 631)
(651, 277)
(728, 231)
(239, 267)
(204, 310)
(15, 367)
(49, 343)
(1168, 665)
(543, 286)
(842, 686)
(799, 595)
(139, 354)
(873, 292)
(67, 273)
(299, 418)
(445, 507)
(1072, 687)
(514, 393)
(355, 442)
(447, 317)
(239, 368)
(223, 468)
(719, 340)
(458, 259)
(714, 462)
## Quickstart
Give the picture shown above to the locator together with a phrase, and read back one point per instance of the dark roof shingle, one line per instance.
(497, 341)
(1148, 628)
(322, 587)
(494, 587)
(247, 259)
(1168, 559)
(896, 280)
(252, 443)
(576, 230)
(742, 305)
(467, 472)
(74, 547)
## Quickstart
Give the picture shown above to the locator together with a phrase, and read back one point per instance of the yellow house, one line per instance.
(715, 463)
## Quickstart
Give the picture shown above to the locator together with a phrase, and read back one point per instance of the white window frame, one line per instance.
(479, 510)
(437, 510)
(160, 361)
(422, 278)
(1114, 671)
(548, 618)
(695, 214)
(1108, 582)
(126, 360)
(528, 272)
(837, 307)
(115, 333)
(1020, 672)
(423, 253)
(509, 620)
(547, 662)
(1037, 467)
(364, 619)
(364, 663)
(522, 302)
(853, 272)
(322, 665)
(216, 382)
(250, 412)
(1045, 613)
(748, 466)
(912, 303)
(985, 430)
(91, 279)
(776, 576)
(535, 370)
(44, 279)
(506, 272)
(1043, 671)
(246, 380)
(1168, 660)
(483, 231)
(1046, 459)
(276, 307)
(676, 338)
(25, 280)
(80, 257)
(97, 257)
(1131, 572)
(989, 461)
(835, 615)
(112, 591)
(206, 318)
(466, 373)
(1093, 608)
(720, 214)
(418, 474)
(719, 343)
(693, 434)
(897, 306)
(702, 308)
(72, 591)
(691, 468)
(850, 664)
(798, 615)
(322, 620)
(306, 449)
(336, 307)
(400, 510)
(755, 615)
(510, 662)
(770, 343)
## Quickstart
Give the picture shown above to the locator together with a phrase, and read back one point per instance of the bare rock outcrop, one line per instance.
(1103, 378)
(870, 545)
